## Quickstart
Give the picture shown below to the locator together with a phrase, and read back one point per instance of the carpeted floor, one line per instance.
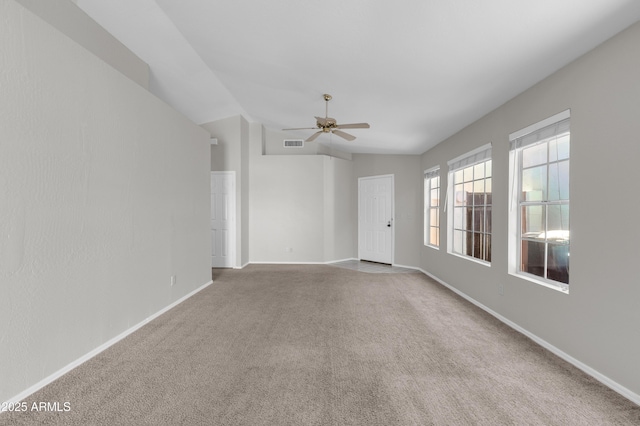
(320, 345)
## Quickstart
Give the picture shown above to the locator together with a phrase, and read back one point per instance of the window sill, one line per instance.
(562, 288)
(472, 259)
(433, 247)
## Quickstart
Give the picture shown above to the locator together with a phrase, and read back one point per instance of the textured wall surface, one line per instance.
(104, 195)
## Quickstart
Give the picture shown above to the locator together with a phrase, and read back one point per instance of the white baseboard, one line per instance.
(242, 266)
(64, 370)
(408, 267)
(329, 262)
(341, 260)
(627, 393)
(292, 263)
(285, 263)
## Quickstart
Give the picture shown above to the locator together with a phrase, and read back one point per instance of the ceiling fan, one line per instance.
(329, 125)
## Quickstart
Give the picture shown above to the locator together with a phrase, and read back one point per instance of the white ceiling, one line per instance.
(416, 70)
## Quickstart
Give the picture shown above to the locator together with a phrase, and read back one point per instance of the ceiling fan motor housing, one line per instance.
(329, 123)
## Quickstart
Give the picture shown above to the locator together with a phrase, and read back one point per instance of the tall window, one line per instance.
(432, 207)
(540, 180)
(470, 204)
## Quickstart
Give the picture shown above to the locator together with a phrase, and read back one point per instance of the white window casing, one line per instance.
(554, 271)
(469, 219)
(432, 183)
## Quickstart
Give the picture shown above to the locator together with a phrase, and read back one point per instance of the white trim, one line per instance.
(268, 262)
(408, 267)
(471, 258)
(431, 170)
(557, 286)
(64, 370)
(328, 262)
(429, 174)
(612, 384)
(540, 125)
(341, 260)
(551, 127)
(456, 165)
(471, 153)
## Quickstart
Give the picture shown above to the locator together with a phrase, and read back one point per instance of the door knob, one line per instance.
(389, 224)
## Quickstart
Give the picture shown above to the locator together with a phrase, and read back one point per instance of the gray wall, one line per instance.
(293, 208)
(597, 323)
(232, 154)
(274, 144)
(301, 206)
(340, 212)
(104, 193)
(227, 154)
(77, 25)
(287, 208)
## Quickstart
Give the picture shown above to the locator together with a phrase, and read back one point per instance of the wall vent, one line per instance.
(293, 143)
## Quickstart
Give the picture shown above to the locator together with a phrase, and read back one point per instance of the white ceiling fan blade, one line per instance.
(343, 135)
(353, 126)
(302, 128)
(314, 136)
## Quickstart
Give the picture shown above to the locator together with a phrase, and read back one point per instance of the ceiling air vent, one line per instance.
(293, 143)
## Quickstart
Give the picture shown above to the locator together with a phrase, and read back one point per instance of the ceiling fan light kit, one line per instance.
(330, 125)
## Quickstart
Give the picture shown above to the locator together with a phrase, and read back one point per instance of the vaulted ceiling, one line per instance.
(416, 70)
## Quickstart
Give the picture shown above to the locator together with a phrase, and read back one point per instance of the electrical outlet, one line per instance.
(173, 280)
(501, 289)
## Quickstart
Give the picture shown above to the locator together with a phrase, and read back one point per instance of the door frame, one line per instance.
(393, 214)
(232, 214)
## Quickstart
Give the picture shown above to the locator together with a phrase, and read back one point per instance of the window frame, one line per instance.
(471, 159)
(429, 176)
(516, 235)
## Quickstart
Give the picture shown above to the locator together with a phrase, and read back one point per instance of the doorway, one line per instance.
(223, 219)
(375, 219)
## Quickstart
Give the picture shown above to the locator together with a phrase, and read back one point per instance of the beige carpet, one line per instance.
(319, 345)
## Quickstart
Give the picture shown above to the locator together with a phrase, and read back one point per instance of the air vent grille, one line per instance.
(293, 143)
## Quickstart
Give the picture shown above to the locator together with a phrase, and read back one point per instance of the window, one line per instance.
(432, 207)
(540, 201)
(470, 205)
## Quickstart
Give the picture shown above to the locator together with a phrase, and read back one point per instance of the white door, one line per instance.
(223, 214)
(375, 219)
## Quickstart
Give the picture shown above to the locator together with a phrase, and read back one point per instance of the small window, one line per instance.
(432, 207)
(539, 219)
(470, 205)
